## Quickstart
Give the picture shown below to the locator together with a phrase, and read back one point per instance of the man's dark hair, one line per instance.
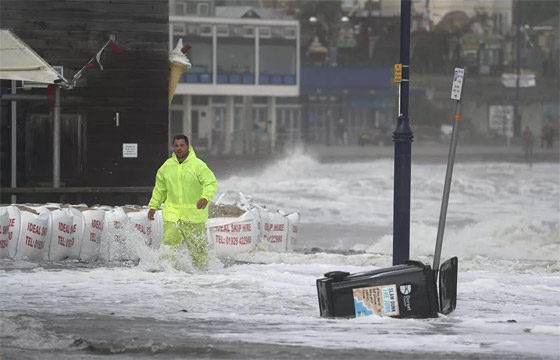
(181, 137)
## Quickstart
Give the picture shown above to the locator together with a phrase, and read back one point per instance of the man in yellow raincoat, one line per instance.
(185, 185)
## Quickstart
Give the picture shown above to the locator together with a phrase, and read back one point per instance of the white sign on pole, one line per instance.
(525, 80)
(457, 84)
(130, 150)
(501, 119)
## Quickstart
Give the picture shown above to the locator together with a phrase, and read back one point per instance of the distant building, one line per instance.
(257, 84)
(245, 70)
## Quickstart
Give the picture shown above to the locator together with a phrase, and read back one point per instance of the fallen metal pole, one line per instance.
(447, 186)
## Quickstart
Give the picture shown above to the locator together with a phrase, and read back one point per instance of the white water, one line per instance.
(503, 223)
(500, 210)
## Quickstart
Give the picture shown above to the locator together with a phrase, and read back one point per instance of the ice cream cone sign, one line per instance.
(178, 64)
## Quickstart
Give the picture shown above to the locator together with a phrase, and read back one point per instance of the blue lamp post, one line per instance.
(402, 136)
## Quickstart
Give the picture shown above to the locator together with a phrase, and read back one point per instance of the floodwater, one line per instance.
(502, 223)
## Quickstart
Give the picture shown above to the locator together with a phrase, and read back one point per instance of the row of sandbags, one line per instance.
(253, 227)
(55, 232)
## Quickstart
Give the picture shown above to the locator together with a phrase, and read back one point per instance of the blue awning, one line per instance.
(341, 80)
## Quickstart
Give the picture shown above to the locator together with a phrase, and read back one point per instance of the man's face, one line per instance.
(180, 148)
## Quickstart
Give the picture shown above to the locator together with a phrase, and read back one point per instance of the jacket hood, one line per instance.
(191, 155)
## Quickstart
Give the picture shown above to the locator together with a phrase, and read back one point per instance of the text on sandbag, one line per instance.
(34, 243)
(65, 242)
(147, 230)
(273, 227)
(4, 242)
(233, 240)
(93, 237)
(36, 229)
(65, 228)
(96, 224)
(274, 238)
(233, 228)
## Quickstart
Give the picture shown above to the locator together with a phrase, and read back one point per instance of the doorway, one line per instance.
(201, 128)
(39, 149)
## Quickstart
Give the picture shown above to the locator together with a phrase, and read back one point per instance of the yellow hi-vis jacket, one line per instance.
(180, 185)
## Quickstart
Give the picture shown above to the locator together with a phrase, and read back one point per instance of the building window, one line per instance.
(278, 62)
(218, 100)
(176, 123)
(290, 33)
(179, 29)
(278, 32)
(199, 100)
(203, 9)
(264, 32)
(192, 8)
(205, 30)
(181, 8)
(236, 61)
(222, 30)
(248, 32)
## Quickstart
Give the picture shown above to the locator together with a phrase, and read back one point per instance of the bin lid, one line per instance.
(448, 285)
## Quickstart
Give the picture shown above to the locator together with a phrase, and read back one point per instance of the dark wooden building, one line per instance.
(126, 102)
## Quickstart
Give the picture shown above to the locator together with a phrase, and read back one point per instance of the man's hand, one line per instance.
(151, 214)
(201, 204)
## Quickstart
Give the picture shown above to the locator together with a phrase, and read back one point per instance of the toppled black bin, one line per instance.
(403, 291)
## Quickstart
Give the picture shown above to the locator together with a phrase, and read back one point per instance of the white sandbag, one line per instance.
(39, 208)
(157, 230)
(140, 222)
(13, 231)
(118, 229)
(94, 224)
(258, 212)
(275, 234)
(52, 206)
(33, 237)
(66, 233)
(4, 231)
(78, 227)
(229, 236)
(293, 221)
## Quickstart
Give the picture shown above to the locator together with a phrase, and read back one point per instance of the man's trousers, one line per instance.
(192, 235)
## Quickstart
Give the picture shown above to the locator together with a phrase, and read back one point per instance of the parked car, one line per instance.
(376, 137)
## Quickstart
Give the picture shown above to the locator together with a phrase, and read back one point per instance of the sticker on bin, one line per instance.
(376, 300)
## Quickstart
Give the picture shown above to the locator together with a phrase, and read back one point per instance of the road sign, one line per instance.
(398, 73)
(457, 84)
